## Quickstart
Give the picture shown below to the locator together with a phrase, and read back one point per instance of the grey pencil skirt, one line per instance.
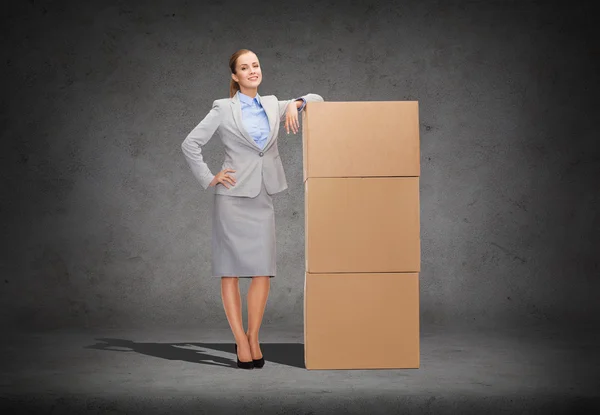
(243, 236)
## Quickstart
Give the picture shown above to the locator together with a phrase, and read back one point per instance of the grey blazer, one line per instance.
(250, 162)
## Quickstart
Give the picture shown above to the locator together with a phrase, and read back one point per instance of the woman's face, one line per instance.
(248, 73)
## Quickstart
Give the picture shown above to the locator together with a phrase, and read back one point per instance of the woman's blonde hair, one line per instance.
(234, 86)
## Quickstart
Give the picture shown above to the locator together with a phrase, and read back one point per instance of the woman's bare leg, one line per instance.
(258, 293)
(232, 302)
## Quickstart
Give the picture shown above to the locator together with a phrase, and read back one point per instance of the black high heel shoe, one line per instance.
(243, 365)
(259, 363)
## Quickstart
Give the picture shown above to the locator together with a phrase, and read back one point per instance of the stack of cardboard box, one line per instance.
(361, 291)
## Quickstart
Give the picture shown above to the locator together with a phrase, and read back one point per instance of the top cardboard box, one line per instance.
(361, 139)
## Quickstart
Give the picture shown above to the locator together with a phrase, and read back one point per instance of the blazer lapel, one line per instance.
(236, 108)
(271, 108)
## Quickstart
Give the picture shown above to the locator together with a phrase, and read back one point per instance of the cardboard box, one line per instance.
(361, 139)
(362, 225)
(361, 321)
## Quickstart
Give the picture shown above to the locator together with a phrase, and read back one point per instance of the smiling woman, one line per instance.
(243, 230)
(245, 70)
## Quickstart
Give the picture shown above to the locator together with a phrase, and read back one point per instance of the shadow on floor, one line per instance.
(290, 354)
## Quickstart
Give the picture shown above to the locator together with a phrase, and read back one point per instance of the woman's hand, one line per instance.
(223, 178)
(291, 117)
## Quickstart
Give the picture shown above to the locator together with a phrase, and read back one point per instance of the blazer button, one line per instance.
(261, 154)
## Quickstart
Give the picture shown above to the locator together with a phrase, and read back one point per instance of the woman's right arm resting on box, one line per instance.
(198, 137)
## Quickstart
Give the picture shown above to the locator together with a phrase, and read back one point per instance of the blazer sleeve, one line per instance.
(307, 98)
(198, 137)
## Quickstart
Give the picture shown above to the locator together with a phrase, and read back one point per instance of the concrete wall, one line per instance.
(103, 224)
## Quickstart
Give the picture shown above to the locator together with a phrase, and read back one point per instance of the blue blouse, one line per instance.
(255, 118)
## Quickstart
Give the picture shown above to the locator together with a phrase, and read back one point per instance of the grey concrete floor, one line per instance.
(530, 370)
